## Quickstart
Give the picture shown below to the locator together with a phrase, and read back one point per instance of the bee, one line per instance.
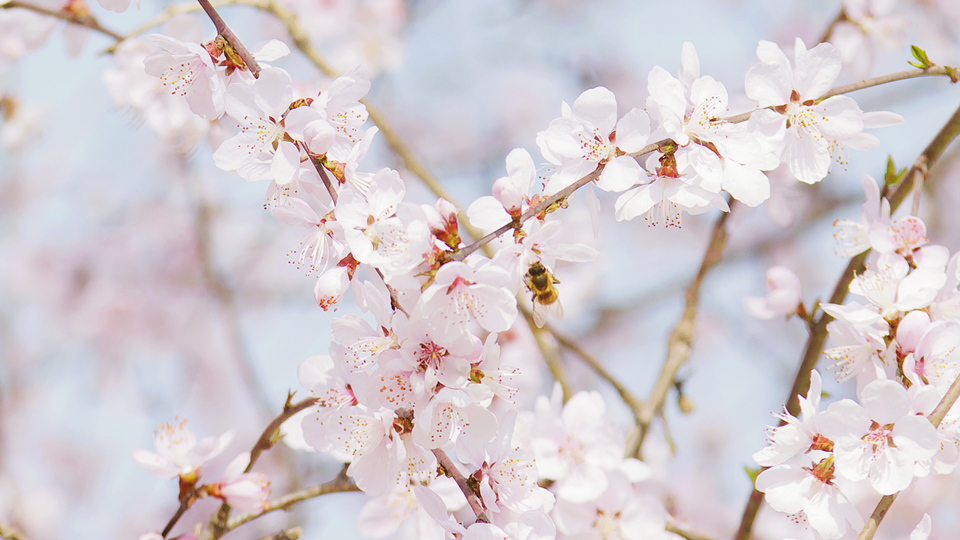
(546, 301)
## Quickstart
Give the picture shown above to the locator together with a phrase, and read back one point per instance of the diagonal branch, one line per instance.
(87, 20)
(225, 31)
(681, 337)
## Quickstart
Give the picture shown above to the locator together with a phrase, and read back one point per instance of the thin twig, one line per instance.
(860, 85)
(453, 472)
(680, 341)
(218, 525)
(184, 505)
(227, 33)
(675, 528)
(227, 299)
(87, 20)
(828, 33)
(341, 484)
(632, 401)
(818, 335)
(549, 353)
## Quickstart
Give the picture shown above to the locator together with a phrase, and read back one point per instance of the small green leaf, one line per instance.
(890, 176)
(753, 473)
(953, 72)
(922, 61)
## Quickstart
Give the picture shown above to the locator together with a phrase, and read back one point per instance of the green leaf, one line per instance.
(921, 55)
(753, 473)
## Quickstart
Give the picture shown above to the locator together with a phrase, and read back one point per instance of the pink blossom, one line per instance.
(783, 296)
(179, 453)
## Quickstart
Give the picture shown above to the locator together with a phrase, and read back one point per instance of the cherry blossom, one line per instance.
(675, 186)
(247, 492)
(793, 489)
(808, 131)
(460, 293)
(587, 135)
(179, 453)
(886, 440)
(689, 109)
(259, 108)
(783, 296)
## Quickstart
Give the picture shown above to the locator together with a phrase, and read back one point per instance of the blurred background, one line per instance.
(139, 283)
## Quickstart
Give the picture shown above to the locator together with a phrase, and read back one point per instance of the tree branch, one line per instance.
(681, 337)
(341, 484)
(86, 20)
(454, 472)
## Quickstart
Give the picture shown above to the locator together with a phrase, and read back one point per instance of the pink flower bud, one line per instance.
(783, 296)
(509, 194)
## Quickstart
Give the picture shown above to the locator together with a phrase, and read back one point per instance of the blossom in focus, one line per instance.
(673, 186)
(885, 440)
(689, 110)
(188, 70)
(810, 491)
(587, 135)
(258, 151)
(809, 133)
(783, 295)
(179, 453)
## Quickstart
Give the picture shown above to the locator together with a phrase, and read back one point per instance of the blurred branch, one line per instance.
(288, 534)
(225, 297)
(341, 484)
(549, 353)
(675, 528)
(11, 533)
(818, 334)
(680, 340)
(828, 33)
(632, 401)
(80, 19)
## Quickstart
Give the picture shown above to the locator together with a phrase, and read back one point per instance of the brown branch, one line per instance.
(87, 20)
(286, 534)
(675, 528)
(549, 353)
(453, 472)
(232, 38)
(681, 337)
(341, 484)
(828, 33)
(218, 525)
(227, 300)
(818, 334)
(184, 505)
(632, 401)
(860, 85)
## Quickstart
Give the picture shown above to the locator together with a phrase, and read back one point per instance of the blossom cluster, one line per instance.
(419, 377)
(899, 344)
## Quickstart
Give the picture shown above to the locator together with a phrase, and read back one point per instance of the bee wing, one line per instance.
(542, 311)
